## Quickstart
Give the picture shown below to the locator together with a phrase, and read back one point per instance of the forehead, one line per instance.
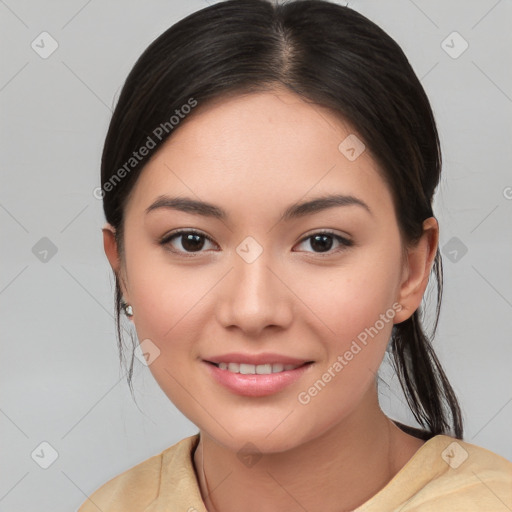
(256, 150)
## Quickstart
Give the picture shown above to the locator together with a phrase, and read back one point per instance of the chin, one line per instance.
(267, 436)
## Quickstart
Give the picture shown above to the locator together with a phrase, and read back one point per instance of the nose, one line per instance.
(255, 295)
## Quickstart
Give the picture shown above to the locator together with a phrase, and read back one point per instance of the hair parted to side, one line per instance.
(329, 55)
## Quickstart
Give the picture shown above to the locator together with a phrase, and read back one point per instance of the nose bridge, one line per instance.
(254, 297)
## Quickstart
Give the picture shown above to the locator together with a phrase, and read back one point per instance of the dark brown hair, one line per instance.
(332, 56)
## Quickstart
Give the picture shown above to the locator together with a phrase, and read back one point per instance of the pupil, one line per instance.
(321, 242)
(192, 242)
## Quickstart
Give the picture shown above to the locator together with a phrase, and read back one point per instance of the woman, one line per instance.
(267, 181)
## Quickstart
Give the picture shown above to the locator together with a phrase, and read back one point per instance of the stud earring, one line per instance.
(128, 310)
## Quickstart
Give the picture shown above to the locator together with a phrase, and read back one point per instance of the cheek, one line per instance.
(170, 310)
(358, 311)
(168, 303)
(353, 298)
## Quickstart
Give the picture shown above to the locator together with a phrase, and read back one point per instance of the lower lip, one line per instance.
(256, 385)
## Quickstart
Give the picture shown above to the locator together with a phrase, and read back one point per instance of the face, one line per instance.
(317, 289)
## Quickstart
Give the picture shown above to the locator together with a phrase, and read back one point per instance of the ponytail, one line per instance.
(424, 383)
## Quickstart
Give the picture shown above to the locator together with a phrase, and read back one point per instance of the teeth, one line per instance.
(257, 369)
(234, 367)
(245, 369)
(263, 369)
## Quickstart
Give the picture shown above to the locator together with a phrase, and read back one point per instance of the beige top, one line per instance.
(445, 474)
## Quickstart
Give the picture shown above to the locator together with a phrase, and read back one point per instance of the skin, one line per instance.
(254, 155)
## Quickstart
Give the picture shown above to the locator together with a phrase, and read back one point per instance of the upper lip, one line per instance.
(256, 359)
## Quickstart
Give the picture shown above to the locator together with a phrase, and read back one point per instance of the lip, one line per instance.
(257, 385)
(264, 358)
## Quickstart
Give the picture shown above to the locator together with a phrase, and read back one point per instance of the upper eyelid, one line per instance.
(183, 231)
(325, 231)
(199, 232)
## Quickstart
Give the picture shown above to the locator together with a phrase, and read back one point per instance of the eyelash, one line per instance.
(345, 242)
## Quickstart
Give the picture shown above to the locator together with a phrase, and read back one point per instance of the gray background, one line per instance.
(61, 382)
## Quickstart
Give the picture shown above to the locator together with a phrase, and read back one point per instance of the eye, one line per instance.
(191, 241)
(323, 242)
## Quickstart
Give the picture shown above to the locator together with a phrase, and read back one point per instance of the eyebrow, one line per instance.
(188, 205)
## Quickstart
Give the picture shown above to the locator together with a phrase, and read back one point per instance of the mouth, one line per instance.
(256, 380)
(257, 369)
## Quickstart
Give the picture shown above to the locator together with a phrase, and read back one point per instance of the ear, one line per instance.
(112, 253)
(419, 261)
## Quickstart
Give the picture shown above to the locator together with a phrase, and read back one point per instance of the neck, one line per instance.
(336, 471)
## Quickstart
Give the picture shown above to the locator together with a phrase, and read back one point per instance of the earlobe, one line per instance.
(419, 261)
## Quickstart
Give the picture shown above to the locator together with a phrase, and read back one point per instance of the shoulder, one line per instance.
(464, 477)
(447, 474)
(463, 458)
(138, 486)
